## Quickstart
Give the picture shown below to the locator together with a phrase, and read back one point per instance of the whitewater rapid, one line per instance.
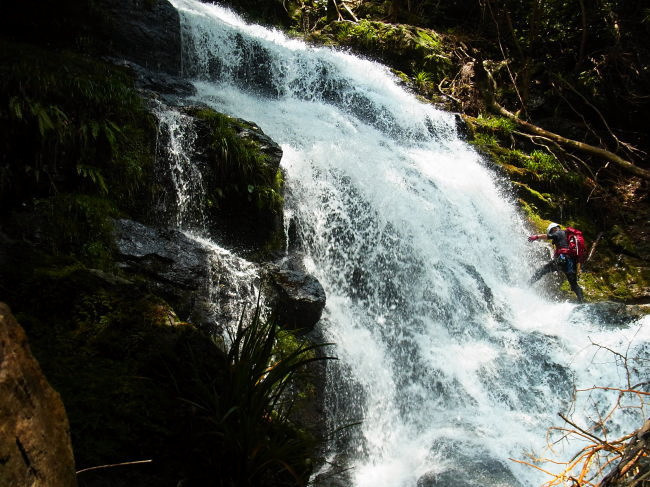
(446, 356)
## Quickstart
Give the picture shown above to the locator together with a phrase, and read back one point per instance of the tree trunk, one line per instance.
(332, 11)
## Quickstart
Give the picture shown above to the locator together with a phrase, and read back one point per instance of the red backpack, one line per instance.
(577, 246)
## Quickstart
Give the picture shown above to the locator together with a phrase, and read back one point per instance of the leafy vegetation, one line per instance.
(240, 168)
(245, 180)
(243, 414)
(76, 148)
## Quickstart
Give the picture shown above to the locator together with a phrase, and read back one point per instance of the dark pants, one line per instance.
(562, 263)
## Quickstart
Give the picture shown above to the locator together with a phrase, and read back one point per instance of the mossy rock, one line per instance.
(627, 282)
(406, 48)
(541, 201)
(243, 179)
(623, 241)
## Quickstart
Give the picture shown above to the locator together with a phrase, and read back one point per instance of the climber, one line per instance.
(569, 251)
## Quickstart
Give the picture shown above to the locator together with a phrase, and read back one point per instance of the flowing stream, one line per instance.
(450, 360)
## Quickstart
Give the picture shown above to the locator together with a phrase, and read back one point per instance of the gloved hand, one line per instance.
(532, 238)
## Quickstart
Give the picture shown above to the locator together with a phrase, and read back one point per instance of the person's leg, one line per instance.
(545, 269)
(571, 271)
(573, 281)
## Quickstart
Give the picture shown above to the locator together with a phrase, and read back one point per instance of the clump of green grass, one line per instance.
(246, 434)
(241, 169)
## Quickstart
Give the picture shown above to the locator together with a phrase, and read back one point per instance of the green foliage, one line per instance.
(241, 169)
(424, 82)
(491, 123)
(545, 165)
(366, 34)
(548, 168)
(69, 122)
(406, 48)
(76, 149)
(430, 40)
(247, 437)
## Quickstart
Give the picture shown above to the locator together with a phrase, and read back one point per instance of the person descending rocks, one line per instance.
(569, 252)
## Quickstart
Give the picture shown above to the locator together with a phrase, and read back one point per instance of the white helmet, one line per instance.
(551, 227)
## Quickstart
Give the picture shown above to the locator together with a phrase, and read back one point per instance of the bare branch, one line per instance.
(574, 144)
(101, 467)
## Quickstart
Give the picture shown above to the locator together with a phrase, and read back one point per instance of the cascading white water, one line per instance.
(233, 283)
(446, 354)
(176, 165)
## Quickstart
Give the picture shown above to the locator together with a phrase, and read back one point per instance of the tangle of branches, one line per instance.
(603, 461)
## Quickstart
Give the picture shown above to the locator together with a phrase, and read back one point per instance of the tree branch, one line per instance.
(574, 144)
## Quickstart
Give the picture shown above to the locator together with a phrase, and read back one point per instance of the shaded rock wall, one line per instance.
(145, 32)
(35, 448)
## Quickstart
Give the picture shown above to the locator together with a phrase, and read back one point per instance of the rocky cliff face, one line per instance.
(144, 32)
(35, 448)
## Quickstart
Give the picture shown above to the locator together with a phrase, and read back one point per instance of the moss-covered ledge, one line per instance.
(243, 181)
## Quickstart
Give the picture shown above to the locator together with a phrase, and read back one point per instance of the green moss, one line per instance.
(406, 48)
(492, 123)
(540, 200)
(622, 240)
(241, 167)
(490, 145)
(621, 283)
(532, 214)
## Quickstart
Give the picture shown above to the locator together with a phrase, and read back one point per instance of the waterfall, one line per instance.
(450, 360)
(232, 283)
(176, 135)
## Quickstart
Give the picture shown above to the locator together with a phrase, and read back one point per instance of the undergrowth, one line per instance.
(76, 144)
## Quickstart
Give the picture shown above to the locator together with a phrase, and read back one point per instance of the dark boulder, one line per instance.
(467, 466)
(609, 314)
(204, 283)
(477, 473)
(298, 297)
(145, 32)
(240, 167)
(161, 84)
(168, 256)
(171, 265)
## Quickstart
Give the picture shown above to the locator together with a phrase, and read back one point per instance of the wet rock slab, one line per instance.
(467, 466)
(610, 314)
(299, 298)
(167, 255)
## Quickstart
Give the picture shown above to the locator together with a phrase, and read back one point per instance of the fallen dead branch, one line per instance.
(489, 89)
(112, 465)
(603, 461)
